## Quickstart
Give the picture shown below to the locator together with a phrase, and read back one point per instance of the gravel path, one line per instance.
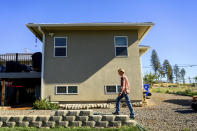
(165, 112)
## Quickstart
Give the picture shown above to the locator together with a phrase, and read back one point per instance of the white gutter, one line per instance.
(42, 70)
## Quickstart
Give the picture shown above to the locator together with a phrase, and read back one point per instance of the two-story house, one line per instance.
(80, 61)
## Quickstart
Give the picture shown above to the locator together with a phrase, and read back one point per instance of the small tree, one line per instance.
(150, 78)
(182, 73)
(176, 73)
(195, 78)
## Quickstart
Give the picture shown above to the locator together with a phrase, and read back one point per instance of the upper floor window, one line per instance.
(121, 45)
(60, 46)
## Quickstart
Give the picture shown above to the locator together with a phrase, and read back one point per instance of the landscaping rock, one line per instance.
(37, 124)
(102, 124)
(86, 113)
(122, 118)
(95, 118)
(4, 118)
(55, 118)
(69, 118)
(42, 118)
(63, 123)
(16, 118)
(82, 118)
(1, 123)
(89, 123)
(130, 123)
(10, 124)
(23, 124)
(50, 124)
(115, 123)
(73, 113)
(108, 118)
(61, 113)
(75, 123)
(29, 118)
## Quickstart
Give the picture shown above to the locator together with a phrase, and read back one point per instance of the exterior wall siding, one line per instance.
(91, 64)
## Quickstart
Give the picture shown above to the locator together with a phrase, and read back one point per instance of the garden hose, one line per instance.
(140, 127)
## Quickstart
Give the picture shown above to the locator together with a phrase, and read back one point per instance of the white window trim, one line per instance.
(66, 90)
(60, 47)
(120, 46)
(111, 92)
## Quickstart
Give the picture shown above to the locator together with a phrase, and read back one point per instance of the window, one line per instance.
(60, 46)
(109, 89)
(121, 45)
(66, 89)
(61, 90)
(72, 90)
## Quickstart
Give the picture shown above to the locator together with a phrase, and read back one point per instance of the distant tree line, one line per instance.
(165, 70)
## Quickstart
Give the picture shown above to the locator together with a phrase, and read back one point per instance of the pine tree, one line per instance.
(170, 73)
(155, 62)
(182, 73)
(167, 68)
(176, 72)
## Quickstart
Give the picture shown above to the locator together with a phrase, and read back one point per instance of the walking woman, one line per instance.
(125, 90)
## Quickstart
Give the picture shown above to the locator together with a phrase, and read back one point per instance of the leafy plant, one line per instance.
(150, 78)
(44, 105)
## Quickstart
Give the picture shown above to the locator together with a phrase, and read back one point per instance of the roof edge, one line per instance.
(89, 24)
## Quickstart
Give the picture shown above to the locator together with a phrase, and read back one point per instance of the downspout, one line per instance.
(142, 83)
(42, 70)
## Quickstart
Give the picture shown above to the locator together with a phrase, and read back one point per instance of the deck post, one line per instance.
(3, 94)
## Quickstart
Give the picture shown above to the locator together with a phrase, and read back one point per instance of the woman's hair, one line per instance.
(121, 70)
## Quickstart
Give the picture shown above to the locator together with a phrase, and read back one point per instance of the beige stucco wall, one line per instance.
(91, 64)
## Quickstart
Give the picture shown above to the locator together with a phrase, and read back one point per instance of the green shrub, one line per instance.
(167, 91)
(187, 91)
(44, 105)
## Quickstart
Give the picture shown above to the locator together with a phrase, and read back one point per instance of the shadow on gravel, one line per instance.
(189, 111)
(182, 102)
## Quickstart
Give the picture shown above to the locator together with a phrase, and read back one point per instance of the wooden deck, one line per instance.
(18, 75)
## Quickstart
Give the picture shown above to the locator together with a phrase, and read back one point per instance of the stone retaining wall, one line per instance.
(67, 118)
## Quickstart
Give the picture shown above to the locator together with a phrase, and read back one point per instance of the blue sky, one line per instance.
(173, 36)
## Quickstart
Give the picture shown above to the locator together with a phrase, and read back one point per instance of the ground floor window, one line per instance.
(66, 89)
(109, 89)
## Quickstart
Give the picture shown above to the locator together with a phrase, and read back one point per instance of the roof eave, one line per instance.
(88, 24)
(143, 49)
(34, 27)
(38, 34)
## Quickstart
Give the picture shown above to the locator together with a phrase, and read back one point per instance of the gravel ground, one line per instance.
(165, 112)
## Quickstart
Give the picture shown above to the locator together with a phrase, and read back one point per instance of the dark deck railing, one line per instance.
(20, 58)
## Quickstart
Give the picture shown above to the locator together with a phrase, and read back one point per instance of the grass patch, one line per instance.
(124, 128)
(186, 91)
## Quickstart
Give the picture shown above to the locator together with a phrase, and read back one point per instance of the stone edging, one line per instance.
(94, 106)
(67, 118)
